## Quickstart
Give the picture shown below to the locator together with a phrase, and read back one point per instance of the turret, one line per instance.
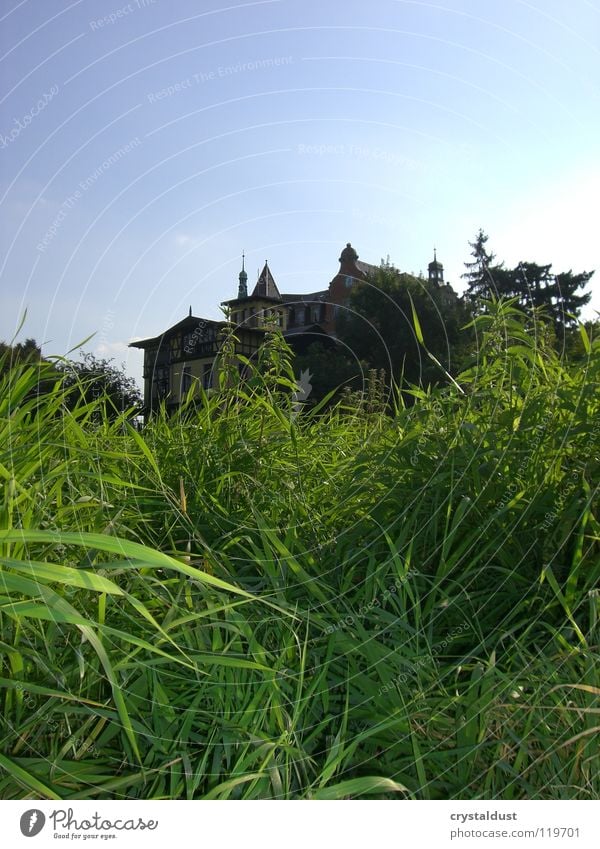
(243, 278)
(436, 271)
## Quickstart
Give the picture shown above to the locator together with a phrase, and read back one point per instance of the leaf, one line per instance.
(585, 338)
(358, 787)
(416, 322)
(51, 572)
(23, 777)
(134, 550)
(119, 700)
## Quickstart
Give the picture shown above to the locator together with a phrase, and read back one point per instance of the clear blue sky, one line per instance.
(144, 145)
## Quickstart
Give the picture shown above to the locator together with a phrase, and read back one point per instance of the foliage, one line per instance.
(90, 379)
(244, 601)
(379, 329)
(27, 351)
(93, 378)
(331, 369)
(534, 286)
(480, 281)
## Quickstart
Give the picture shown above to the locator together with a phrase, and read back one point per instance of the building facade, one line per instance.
(190, 353)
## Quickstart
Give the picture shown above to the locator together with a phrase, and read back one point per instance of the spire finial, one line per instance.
(190, 312)
(434, 254)
(243, 278)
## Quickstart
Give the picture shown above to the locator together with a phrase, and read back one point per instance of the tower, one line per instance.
(436, 271)
(243, 278)
(263, 308)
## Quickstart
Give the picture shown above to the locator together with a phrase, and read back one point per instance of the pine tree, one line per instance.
(481, 273)
(531, 284)
(536, 287)
(565, 301)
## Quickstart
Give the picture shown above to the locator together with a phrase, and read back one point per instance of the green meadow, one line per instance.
(369, 598)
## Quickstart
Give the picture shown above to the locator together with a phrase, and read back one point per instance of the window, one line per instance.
(150, 361)
(186, 380)
(175, 347)
(348, 281)
(161, 382)
(207, 375)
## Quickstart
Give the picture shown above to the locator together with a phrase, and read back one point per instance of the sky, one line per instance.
(145, 145)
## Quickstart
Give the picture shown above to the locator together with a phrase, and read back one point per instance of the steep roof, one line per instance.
(265, 285)
(291, 298)
(366, 267)
(189, 323)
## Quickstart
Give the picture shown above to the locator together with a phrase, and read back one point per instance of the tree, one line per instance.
(536, 287)
(93, 379)
(379, 328)
(565, 300)
(480, 272)
(329, 368)
(27, 351)
(88, 379)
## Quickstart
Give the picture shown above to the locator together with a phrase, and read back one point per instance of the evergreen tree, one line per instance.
(481, 272)
(553, 295)
(536, 287)
(530, 283)
(565, 300)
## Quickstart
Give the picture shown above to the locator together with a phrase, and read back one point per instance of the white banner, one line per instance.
(302, 824)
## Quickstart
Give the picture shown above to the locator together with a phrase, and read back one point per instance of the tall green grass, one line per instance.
(244, 601)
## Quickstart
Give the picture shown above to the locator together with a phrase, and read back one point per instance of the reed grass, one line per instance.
(242, 601)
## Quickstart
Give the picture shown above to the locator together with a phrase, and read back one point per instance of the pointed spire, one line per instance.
(190, 312)
(243, 278)
(265, 285)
